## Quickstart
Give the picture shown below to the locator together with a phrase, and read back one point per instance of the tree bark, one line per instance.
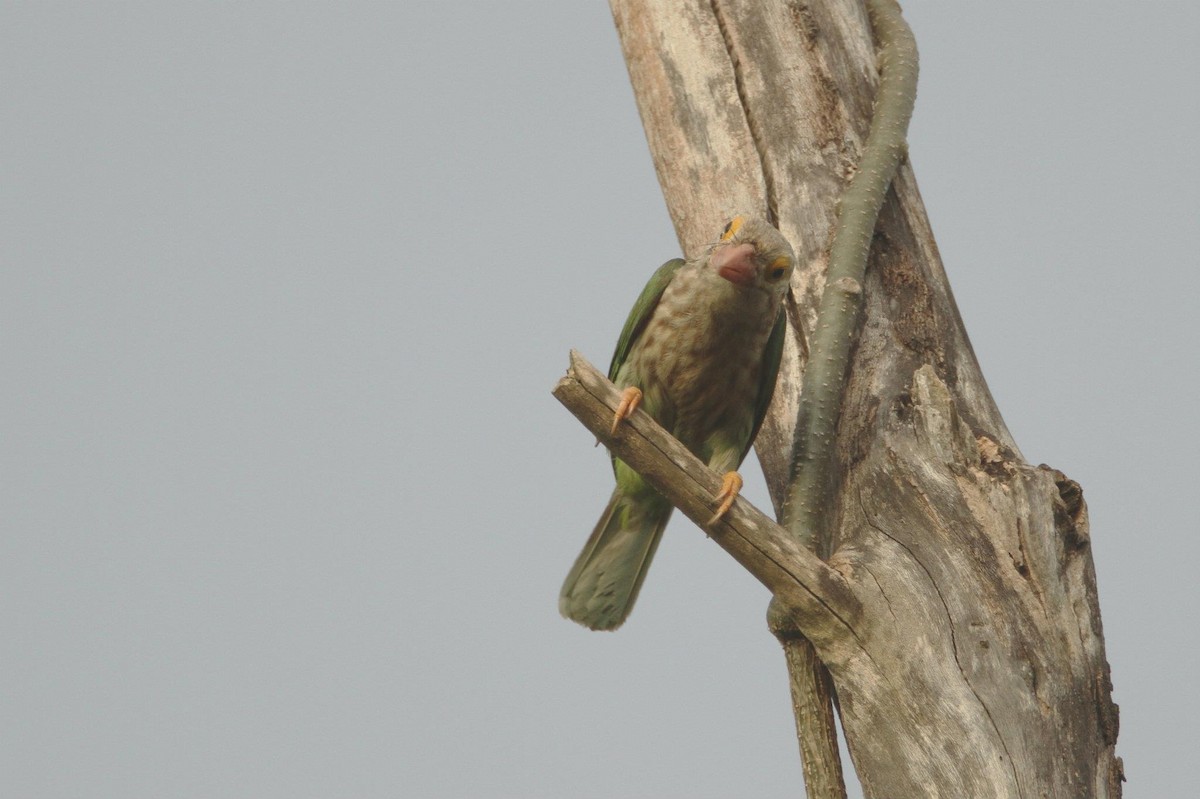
(977, 666)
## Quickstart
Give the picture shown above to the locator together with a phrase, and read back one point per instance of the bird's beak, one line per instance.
(735, 263)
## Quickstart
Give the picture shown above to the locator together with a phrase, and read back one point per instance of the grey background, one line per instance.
(286, 500)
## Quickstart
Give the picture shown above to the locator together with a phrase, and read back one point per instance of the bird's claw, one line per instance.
(731, 486)
(631, 398)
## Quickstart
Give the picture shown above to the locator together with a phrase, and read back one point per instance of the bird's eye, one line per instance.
(732, 228)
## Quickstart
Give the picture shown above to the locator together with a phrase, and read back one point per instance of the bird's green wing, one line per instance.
(640, 315)
(772, 355)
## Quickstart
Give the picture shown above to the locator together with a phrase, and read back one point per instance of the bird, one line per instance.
(700, 354)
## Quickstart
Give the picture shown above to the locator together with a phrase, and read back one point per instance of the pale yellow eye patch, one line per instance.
(732, 228)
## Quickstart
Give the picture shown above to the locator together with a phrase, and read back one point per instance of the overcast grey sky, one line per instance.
(284, 289)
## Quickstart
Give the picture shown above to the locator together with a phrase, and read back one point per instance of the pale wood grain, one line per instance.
(974, 662)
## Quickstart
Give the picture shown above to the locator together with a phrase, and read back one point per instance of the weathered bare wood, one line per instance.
(823, 600)
(979, 665)
(695, 98)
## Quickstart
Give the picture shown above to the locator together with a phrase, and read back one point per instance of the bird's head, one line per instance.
(752, 254)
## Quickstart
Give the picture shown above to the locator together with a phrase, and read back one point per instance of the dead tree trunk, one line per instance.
(978, 665)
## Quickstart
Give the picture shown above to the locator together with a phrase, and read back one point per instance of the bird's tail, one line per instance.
(605, 580)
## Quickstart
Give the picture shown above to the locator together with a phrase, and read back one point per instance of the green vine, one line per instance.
(806, 509)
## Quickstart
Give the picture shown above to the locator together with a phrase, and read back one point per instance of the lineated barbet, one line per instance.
(700, 353)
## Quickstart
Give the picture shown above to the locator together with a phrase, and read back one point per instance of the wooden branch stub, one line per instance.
(821, 600)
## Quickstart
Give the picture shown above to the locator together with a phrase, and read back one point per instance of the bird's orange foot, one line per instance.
(731, 485)
(631, 398)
